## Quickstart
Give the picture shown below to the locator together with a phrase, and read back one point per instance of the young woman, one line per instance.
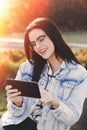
(61, 79)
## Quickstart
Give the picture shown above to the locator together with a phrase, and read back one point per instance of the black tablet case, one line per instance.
(27, 88)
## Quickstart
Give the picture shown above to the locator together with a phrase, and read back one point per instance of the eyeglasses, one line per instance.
(39, 40)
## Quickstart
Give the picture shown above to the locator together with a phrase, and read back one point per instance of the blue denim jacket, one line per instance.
(68, 85)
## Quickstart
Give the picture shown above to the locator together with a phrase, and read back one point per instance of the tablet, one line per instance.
(27, 88)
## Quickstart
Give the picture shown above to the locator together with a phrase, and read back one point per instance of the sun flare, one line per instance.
(4, 4)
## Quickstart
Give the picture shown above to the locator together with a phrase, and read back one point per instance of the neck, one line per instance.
(55, 64)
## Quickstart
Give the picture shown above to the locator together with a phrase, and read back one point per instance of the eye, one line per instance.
(41, 38)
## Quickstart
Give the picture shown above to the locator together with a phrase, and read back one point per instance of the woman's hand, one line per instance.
(47, 98)
(14, 95)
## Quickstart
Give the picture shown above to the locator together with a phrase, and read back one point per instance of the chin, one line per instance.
(44, 57)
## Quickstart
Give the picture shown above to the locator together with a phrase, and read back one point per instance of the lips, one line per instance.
(42, 51)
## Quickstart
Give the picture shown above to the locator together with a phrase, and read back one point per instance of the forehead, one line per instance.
(35, 33)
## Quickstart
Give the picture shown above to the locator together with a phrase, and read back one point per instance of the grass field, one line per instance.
(76, 36)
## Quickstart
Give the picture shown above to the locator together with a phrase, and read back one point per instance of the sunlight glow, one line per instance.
(4, 4)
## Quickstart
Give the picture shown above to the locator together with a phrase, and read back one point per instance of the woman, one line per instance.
(61, 79)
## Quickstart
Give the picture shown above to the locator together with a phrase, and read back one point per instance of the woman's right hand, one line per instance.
(14, 95)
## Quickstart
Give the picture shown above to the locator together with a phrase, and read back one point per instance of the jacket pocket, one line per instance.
(67, 86)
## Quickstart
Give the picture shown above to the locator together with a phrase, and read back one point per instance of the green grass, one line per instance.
(79, 36)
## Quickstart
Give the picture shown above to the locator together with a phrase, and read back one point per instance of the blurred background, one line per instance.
(15, 15)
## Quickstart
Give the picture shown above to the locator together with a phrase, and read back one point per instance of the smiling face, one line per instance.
(41, 43)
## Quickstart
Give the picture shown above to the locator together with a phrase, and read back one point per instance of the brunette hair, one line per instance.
(62, 50)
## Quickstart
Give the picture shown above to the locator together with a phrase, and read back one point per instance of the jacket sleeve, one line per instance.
(13, 109)
(70, 110)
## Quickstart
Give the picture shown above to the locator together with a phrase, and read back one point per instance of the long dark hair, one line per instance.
(62, 50)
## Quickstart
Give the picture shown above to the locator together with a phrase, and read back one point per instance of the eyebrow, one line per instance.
(43, 35)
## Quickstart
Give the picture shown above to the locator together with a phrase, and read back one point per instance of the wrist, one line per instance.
(55, 104)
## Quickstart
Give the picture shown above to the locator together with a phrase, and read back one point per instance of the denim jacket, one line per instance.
(69, 87)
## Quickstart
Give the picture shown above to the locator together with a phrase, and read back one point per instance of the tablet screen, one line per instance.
(27, 88)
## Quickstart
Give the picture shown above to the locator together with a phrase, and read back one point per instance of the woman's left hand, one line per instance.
(47, 98)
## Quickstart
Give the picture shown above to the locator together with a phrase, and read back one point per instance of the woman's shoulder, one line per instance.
(77, 68)
(25, 71)
(26, 63)
(26, 66)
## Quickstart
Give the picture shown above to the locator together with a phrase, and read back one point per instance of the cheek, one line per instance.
(51, 47)
(35, 49)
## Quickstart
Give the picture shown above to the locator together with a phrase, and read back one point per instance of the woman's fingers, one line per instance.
(8, 87)
(14, 95)
(46, 97)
